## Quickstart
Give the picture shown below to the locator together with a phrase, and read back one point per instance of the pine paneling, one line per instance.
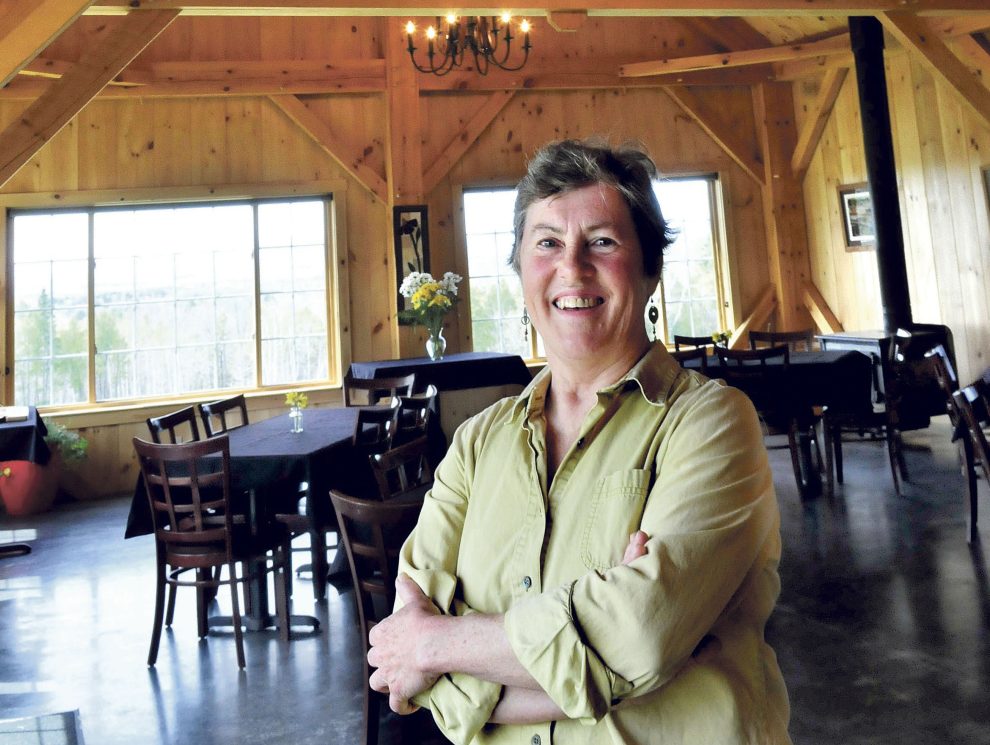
(940, 148)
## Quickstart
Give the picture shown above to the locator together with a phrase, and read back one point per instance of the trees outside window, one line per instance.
(175, 298)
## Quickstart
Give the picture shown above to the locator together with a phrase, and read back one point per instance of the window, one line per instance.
(175, 298)
(690, 292)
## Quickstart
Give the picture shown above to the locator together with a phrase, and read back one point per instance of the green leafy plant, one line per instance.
(70, 444)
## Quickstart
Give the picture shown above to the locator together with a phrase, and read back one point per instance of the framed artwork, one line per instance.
(857, 217)
(410, 229)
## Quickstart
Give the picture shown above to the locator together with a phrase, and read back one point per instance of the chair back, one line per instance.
(375, 427)
(698, 353)
(968, 401)
(748, 358)
(223, 415)
(796, 341)
(414, 414)
(403, 469)
(692, 341)
(373, 532)
(371, 391)
(188, 488)
(179, 426)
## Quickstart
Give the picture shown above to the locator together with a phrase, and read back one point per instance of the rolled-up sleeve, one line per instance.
(461, 704)
(626, 631)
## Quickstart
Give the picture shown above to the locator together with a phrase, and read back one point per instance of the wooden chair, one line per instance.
(969, 401)
(403, 469)
(692, 341)
(223, 415)
(375, 427)
(698, 353)
(188, 488)
(796, 341)
(372, 391)
(373, 532)
(746, 369)
(180, 426)
(415, 412)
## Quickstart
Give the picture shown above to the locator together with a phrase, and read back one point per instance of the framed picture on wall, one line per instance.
(410, 228)
(857, 217)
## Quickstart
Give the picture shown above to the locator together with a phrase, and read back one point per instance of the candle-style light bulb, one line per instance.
(506, 17)
(524, 26)
(431, 33)
(451, 18)
(410, 28)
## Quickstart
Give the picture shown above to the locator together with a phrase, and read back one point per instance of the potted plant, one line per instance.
(28, 488)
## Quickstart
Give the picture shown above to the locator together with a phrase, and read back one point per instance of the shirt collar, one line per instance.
(654, 375)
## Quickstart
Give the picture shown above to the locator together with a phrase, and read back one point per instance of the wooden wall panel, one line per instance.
(940, 148)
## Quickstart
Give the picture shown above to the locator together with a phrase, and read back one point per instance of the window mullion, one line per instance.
(91, 309)
(257, 298)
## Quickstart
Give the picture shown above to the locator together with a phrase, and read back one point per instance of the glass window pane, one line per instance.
(174, 298)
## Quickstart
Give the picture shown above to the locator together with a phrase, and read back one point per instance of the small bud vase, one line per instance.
(295, 416)
(436, 345)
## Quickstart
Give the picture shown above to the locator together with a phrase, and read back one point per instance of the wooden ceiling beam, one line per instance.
(961, 25)
(602, 7)
(322, 135)
(817, 118)
(27, 27)
(814, 66)
(915, 35)
(461, 142)
(833, 45)
(67, 96)
(722, 133)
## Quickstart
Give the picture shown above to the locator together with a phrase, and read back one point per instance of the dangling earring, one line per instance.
(653, 313)
(525, 323)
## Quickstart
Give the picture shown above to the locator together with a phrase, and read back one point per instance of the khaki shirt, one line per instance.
(669, 649)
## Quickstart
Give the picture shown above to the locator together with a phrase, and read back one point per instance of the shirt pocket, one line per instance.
(616, 511)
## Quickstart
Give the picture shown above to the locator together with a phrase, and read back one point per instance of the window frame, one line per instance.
(727, 285)
(336, 280)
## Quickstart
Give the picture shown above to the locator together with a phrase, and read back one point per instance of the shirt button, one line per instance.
(535, 740)
(527, 582)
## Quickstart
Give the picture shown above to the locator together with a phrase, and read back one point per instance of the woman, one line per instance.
(598, 556)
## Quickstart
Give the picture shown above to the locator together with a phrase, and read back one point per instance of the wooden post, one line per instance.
(783, 203)
(867, 44)
(404, 152)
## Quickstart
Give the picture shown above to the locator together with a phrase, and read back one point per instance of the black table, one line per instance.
(459, 379)
(839, 380)
(23, 440)
(453, 372)
(266, 453)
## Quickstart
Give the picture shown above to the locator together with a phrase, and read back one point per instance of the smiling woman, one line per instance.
(598, 556)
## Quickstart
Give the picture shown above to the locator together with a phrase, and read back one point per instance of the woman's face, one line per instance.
(582, 275)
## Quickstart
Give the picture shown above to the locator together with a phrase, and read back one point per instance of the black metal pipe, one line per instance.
(866, 35)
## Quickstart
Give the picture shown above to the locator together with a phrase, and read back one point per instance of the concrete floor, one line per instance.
(882, 630)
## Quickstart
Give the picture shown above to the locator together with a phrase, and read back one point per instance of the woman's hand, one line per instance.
(394, 646)
(636, 547)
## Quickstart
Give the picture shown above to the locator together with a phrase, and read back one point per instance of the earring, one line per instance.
(525, 323)
(653, 313)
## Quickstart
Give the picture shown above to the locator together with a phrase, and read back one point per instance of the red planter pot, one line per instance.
(28, 488)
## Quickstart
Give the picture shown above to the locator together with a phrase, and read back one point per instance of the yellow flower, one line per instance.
(296, 399)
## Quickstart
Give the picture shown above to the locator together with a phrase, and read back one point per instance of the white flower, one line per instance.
(449, 282)
(413, 281)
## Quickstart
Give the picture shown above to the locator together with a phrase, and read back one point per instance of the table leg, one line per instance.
(810, 475)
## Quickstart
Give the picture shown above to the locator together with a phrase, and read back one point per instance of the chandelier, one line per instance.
(488, 39)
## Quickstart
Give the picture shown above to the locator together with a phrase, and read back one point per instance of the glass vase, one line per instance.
(436, 345)
(295, 417)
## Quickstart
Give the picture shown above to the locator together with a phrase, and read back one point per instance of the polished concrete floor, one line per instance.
(882, 630)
